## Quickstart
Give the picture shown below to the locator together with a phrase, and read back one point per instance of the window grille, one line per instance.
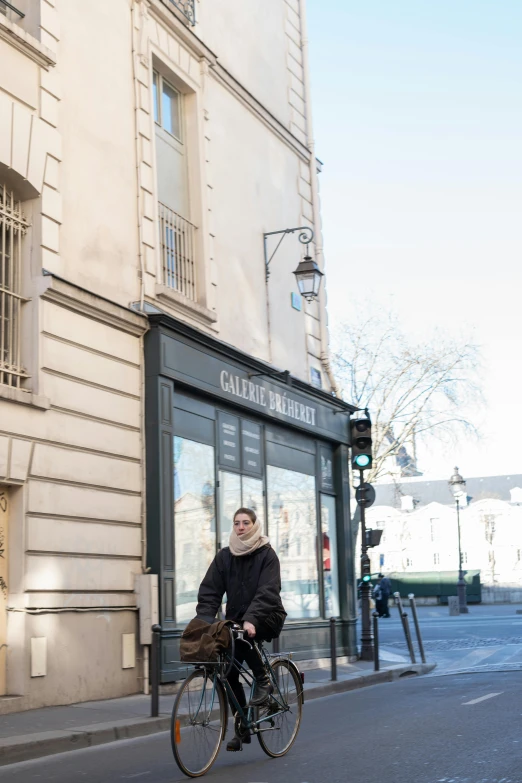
(178, 252)
(12, 227)
(187, 8)
(10, 11)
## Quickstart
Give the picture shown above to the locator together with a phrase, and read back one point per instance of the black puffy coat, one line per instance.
(252, 584)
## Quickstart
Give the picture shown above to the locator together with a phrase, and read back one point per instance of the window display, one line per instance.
(330, 561)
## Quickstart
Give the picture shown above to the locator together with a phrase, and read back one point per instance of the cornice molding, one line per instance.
(55, 289)
(26, 44)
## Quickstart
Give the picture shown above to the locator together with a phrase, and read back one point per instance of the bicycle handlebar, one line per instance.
(240, 634)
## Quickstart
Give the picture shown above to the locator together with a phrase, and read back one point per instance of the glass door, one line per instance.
(195, 521)
(292, 527)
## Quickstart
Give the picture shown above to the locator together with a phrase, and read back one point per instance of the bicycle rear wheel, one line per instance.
(198, 722)
(277, 735)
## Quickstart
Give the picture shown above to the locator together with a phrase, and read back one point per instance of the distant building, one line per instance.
(419, 521)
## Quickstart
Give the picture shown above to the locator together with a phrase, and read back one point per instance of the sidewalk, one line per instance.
(42, 732)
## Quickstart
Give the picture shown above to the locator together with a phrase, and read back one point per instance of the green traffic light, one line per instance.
(366, 578)
(362, 460)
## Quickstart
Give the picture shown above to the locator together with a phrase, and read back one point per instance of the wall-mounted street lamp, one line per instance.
(307, 274)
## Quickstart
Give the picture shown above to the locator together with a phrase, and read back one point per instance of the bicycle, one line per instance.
(201, 709)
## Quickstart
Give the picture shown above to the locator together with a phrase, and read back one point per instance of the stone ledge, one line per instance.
(54, 289)
(198, 313)
(25, 43)
(24, 397)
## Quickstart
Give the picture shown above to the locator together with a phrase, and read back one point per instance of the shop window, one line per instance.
(195, 520)
(236, 491)
(252, 497)
(291, 518)
(330, 558)
(229, 502)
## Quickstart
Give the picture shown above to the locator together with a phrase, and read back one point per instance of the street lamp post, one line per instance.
(458, 487)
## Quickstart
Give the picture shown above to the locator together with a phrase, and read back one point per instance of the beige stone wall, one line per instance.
(71, 446)
(77, 518)
(77, 145)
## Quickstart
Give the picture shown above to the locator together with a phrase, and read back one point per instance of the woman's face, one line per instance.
(242, 524)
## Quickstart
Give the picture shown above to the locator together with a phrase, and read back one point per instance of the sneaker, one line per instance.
(262, 690)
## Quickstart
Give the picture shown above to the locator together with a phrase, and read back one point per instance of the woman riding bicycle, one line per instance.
(248, 571)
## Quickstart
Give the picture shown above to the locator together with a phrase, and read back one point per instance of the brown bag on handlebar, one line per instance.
(202, 641)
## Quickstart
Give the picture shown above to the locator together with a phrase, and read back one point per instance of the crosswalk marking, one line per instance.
(482, 698)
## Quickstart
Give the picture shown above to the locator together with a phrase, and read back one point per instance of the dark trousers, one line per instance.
(244, 654)
(385, 608)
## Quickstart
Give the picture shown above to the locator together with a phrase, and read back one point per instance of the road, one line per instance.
(488, 637)
(454, 729)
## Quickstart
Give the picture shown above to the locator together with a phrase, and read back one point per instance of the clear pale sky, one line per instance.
(418, 119)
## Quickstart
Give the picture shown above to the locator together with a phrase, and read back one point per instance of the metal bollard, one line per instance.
(376, 664)
(155, 668)
(405, 626)
(333, 649)
(417, 626)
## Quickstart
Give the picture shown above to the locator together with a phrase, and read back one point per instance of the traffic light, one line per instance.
(373, 537)
(361, 430)
(365, 568)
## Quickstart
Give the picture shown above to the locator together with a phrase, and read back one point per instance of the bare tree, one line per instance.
(412, 388)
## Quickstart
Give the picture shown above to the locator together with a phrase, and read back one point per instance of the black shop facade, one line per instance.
(225, 430)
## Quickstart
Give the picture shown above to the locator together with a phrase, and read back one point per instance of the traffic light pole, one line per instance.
(366, 626)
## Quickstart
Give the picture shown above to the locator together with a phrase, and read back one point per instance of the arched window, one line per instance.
(13, 226)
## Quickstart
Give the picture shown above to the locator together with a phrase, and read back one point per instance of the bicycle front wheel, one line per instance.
(198, 723)
(283, 712)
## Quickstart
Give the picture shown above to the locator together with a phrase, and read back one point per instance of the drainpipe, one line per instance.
(135, 55)
(325, 349)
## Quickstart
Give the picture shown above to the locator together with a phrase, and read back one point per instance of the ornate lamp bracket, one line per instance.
(305, 237)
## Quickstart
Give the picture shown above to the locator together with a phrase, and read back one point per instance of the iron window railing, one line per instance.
(187, 8)
(178, 245)
(10, 11)
(13, 226)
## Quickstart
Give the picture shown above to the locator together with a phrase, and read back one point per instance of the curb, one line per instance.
(47, 743)
(32, 746)
(366, 680)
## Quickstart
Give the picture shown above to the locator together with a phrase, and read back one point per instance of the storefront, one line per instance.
(225, 430)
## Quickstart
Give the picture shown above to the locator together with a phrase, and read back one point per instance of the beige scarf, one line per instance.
(249, 542)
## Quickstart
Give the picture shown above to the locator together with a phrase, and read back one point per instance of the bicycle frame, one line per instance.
(247, 716)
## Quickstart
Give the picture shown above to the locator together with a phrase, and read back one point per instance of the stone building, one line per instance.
(420, 531)
(152, 377)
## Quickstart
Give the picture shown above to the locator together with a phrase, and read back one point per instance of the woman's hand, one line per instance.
(250, 629)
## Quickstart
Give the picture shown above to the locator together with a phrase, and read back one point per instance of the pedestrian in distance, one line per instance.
(248, 571)
(377, 597)
(385, 585)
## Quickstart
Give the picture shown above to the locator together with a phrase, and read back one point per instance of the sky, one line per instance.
(417, 111)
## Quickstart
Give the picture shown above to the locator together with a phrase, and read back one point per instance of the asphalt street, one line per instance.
(454, 729)
(489, 636)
